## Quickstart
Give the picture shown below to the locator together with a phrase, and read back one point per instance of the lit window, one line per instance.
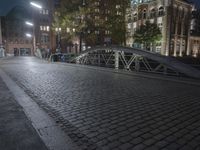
(68, 30)
(107, 32)
(129, 25)
(97, 3)
(97, 32)
(107, 11)
(96, 10)
(117, 6)
(119, 13)
(106, 18)
(47, 28)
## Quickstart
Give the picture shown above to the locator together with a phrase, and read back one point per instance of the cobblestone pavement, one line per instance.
(109, 111)
(16, 131)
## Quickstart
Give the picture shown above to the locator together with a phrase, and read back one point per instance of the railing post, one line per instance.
(99, 59)
(137, 64)
(116, 60)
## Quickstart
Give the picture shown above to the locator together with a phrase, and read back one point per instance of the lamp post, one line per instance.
(38, 6)
(58, 32)
(33, 35)
(28, 35)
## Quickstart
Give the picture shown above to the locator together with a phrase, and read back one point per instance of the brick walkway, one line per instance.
(109, 111)
(16, 131)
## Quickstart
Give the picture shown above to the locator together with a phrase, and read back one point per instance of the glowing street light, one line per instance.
(29, 23)
(36, 5)
(28, 35)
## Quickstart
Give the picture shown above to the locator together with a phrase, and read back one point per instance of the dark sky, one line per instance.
(6, 5)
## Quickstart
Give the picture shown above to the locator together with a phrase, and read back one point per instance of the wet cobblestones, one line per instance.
(104, 110)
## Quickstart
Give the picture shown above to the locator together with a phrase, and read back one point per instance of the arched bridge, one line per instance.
(128, 58)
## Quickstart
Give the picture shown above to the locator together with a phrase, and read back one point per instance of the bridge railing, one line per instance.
(135, 59)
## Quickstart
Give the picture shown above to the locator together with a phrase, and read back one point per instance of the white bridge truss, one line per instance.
(135, 59)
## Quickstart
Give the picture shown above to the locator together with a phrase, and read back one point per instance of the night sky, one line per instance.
(6, 5)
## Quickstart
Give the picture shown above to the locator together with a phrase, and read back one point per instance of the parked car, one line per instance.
(61, 57)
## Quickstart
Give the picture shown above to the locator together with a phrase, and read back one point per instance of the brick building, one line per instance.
(194, 40)
(15, 40)
(172, 17)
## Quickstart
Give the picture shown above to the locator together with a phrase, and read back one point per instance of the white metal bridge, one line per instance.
(119, 57)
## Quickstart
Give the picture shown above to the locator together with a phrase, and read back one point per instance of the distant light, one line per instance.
(36, 5)
(195, 55)
(58, 29)
(28, 35)
(68, 30)
(29, 23)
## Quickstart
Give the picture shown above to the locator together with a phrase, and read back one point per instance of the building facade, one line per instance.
(171, 16)
(194, 40)
(2, 32)
(15, 40)
(15, 30)
(42, 19)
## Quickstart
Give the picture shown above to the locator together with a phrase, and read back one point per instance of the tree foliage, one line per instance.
(73, 15)
(68, 17)
(147, 34)
(117, 20)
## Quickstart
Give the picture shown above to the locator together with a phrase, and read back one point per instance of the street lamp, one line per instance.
(29, 23)
(36, 5)
(28, 35)
(58, 31)
(33, 34)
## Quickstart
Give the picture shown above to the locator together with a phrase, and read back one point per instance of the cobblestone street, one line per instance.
(109, 111)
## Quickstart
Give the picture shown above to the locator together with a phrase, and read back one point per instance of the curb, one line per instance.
(52, 136)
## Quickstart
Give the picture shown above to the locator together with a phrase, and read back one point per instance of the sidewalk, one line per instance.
(16, 131)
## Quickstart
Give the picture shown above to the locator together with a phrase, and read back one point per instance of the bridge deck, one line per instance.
(100, 109)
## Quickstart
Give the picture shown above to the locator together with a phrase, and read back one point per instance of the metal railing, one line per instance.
(134, 59)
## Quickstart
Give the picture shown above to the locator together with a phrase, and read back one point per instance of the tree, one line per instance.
(148, 34)
(69, 17)
(117, 20)
(93, 20)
